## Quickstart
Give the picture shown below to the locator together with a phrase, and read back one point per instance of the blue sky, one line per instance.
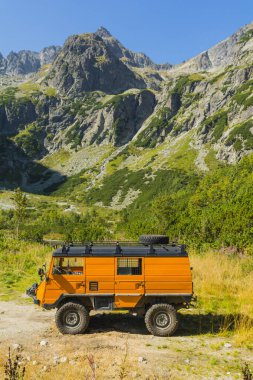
(167, 31)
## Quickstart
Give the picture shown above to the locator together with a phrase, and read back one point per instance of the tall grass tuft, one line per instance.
(224, 286)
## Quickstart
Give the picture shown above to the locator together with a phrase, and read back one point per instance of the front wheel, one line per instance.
(72, 318)
(161, 320)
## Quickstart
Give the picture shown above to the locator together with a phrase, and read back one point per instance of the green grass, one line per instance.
(8, 95)
(29, 88)
(50, 91)
(59, 157)
(19, 262)
(211, 160)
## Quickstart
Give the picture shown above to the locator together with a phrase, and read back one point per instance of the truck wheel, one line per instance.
(161, 320)
(72, 318)
(154, 239)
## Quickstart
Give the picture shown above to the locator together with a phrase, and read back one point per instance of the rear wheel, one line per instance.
(72, 318)
(161, 320)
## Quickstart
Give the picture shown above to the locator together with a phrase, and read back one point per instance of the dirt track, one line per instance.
(19, 321)
(120, 347)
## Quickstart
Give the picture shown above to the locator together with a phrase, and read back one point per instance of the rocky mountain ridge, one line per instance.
(227, 52)
(26, 61)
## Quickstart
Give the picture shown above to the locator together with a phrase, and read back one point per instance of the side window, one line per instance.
(68, 265)
(132, 266)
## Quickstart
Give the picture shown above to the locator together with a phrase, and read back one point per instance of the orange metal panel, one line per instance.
(105, 269)
(168, 287)
(168, 278)
(126, 301)
(167, 270)
(100, 261)
(166, 260)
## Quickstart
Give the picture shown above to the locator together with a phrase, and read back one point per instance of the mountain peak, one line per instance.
(103, 32)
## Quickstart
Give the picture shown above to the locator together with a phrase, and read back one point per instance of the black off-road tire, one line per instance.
(161, 320)
(154, 239)
(72, 318)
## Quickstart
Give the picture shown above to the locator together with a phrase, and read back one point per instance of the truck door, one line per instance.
(129, 281)
(67, 276)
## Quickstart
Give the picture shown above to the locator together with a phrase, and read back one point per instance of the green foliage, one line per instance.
(101, 59)
(19, 261)
(120, 180)
(217, 124)
(50, 91)
(163, 198)
(158, 123)
(20, 202)
(74, 135)
(71, 183)
(217, 78)
(246, 36)
(29, 88)
(7, 95)
(83, 106)
(241, 136)
(217, 212)
(185, 81)
(30, 140)
(243, 96)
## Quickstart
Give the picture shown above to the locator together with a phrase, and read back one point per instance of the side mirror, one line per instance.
(41, 273)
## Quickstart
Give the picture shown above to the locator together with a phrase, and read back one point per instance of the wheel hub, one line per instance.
(72, 318)
(162, 320)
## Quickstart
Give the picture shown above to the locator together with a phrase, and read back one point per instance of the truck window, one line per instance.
(68, 265)
(132, 266)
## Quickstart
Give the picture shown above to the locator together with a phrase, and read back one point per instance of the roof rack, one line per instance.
(116, 248)
(60, 243)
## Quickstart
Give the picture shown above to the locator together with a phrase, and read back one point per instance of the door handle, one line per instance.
(79, 284)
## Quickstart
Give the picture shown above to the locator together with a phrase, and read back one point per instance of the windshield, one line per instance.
(68, 265)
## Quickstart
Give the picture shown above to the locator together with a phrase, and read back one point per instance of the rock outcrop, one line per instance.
(87, 64)
(26, 61)
(129, 57)
(228, 52)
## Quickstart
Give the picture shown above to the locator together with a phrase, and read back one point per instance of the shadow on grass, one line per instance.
(189, 324)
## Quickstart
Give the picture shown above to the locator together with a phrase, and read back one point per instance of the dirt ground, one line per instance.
(116, 346)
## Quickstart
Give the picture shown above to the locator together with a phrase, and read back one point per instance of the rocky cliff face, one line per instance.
(26, 61)
(98, 94)
(87, 64)
(127, 56)
(228, 52)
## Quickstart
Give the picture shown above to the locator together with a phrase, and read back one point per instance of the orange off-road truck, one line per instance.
(151, 278)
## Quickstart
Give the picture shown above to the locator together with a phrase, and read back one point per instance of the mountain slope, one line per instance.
(90, 96)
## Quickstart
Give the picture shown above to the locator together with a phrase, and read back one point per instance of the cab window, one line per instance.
(132, 266)
(68, 265)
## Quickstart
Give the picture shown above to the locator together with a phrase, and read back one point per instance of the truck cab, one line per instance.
(151, 278)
